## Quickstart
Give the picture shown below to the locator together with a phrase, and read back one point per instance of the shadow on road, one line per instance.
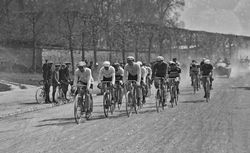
(59, 122)
(33, 103)
(245, 88)
(193, 101)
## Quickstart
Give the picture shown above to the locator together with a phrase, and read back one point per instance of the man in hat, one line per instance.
(55, 80)
(64, 77)
(47, 72)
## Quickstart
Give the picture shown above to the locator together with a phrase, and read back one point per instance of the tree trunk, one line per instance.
(71, 55)
(149, 48)
(83, 45)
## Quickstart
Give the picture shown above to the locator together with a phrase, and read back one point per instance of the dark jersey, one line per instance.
(206, 69)
(174, 72)
(160, 69)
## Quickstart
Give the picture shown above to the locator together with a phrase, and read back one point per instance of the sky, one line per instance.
(222, 16)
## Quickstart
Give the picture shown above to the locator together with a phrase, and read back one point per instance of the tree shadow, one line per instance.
(193, 101)
(32, 103)
(244, 88)
(58, 119)
(56, 124)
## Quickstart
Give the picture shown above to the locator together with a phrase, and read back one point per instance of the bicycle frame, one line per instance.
(173, 90)
(206, 85)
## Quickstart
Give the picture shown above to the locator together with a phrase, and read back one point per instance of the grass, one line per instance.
(22, 78)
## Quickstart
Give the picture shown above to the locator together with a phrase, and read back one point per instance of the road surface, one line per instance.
(194, 126)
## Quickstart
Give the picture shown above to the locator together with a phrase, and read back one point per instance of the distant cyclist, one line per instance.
(119, 73)
(207, 69)
(143, 81)
(132, 72)
(193, 70)
(174, 72)
(160, 70)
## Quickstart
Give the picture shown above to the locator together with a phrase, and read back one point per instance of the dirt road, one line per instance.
(194, 126)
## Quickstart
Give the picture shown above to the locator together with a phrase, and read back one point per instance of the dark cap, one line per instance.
(57, 65)
(67, 63)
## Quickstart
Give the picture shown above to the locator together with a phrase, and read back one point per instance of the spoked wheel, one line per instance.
(106, 105)
(172, 97)
(129, 103)
(119, 99)
(77, 110)
(40, 95)
(176, 96)
(158, 101)
(207, 92)
(61, 98)
(112, 106)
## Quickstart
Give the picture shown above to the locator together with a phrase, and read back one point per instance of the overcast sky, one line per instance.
(224, 16)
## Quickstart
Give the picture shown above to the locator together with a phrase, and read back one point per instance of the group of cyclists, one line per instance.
(142, 74)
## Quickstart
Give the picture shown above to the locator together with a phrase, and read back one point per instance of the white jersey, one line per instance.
(110, 73)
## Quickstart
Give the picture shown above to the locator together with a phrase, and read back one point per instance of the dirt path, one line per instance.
(194, 126)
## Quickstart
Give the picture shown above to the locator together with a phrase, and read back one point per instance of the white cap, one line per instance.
(172, 62)
(106, 63)
(160, 58)
(207, 61)
(130, 58)
(82, 63)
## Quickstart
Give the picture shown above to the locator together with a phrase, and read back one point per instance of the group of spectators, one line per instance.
(55, 75)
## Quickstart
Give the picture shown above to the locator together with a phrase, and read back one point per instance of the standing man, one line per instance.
(47, 72)
(64, 78)
(55, 80)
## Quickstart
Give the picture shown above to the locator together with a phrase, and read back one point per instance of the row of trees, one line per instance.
(83, 23)
(112, 25)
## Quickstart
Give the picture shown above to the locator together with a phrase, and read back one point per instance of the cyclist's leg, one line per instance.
(204, 82)
(138, 93)
(143, 86)
(47, 90)
(54, 92)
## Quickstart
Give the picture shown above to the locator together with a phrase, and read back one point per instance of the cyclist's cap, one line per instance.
(106, 63)
(130, 58)
(159, 58)
(67, 63)
(139, 62)
(82, 63)
(116, 64)
(207, 61)
(172, 63)
(57, 65)
(50, 62)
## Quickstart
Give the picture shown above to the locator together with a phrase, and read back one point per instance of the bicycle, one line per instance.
(195, 81)
(173, 91)
(148, 87)
(40, 93)
(83, 102)
(160, 93)
(131, 97)
(118, 94)
(206, 85)
(61, 97)
(108, 101)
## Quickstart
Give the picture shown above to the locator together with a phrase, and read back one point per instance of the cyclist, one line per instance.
(193, 70)
(143, 81)
(207, 69)
(119, 73)
(83, 75)
(174, 72)
(160, 69)
(132, 72)
(178, 64)
(148, 77)
(202, 61)
(55, 80)
(106, 73)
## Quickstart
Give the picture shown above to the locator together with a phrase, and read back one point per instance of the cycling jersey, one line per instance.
(149, 71)
(119, 74)
(174, 72)
(144, 74)
(206, 69)
(160, 70)
(107, 75)
(132, 72)
(84, 77)
(194, 69)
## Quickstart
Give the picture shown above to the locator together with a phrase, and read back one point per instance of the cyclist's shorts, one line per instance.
(84, 83)
(107, 79)
(132, 77)
(118, 77)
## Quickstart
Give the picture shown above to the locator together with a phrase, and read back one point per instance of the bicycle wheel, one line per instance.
(172, 96)
(105, 104)
(129, 103)
(119, 98)
(87, 106)
(136, 103)
(158, 100)
(207, 91)
(194, 85)
(175, 95)
(40, 95)
(77, 110)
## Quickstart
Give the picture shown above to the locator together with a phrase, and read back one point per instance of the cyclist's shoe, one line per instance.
(143, 100)
(164, 102)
